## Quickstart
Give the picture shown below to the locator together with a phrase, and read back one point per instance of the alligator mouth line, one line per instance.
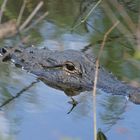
(53, 67)
(67, 67)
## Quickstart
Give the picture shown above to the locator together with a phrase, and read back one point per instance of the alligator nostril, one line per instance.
(3, 50)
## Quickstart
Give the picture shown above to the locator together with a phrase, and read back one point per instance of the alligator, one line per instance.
(69, 70)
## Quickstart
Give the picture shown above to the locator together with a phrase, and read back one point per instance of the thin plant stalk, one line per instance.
(2, 9)
(21, 13)
(93, 8)
(31, 16)
(36, 22)
(125, 15)
(121, 26)
(86, 17)
(138, 31)
(96, 77)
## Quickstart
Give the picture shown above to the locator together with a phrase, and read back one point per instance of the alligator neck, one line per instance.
(109, 84)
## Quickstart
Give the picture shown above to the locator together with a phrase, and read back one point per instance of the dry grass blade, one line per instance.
(138, 32)
(125, 16)
(36, 21)
(31, 16)
(21, 13)
(129, 36)
(93, 8)
(96, 77)
(86, 17)
(2, 9)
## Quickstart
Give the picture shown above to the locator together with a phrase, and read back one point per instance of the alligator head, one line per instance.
(69, 70)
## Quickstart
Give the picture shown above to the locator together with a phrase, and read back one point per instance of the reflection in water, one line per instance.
(113, 108)
(28, 103)
(41, 112)
(18, 94)
(60, 39)
(4, 127)
(40, 105)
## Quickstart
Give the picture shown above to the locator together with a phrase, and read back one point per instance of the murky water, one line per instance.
(41, 112)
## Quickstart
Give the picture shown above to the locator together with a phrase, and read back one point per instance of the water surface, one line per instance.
(41, 112)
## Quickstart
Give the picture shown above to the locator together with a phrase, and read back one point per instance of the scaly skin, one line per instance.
(71, 71)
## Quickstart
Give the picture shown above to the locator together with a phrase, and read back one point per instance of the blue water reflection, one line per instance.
(40, 113)
(60, 38)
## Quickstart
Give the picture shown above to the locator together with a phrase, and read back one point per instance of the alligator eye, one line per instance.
(70, 66)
